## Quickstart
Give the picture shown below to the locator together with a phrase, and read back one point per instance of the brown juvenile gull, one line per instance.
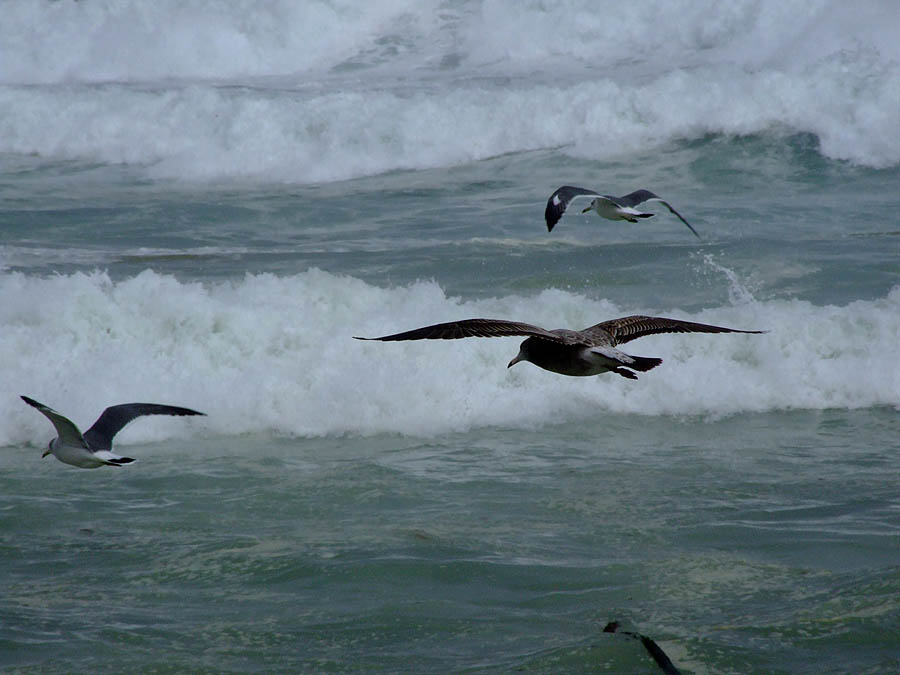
(606, 206)
(92, 449)
(569, 352)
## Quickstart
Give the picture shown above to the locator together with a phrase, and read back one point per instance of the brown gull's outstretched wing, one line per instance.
(454, 330)
(628, 328)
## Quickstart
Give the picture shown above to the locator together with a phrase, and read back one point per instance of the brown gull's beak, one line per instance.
(519, 357)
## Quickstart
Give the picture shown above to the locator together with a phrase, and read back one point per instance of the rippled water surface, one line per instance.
(208, 218)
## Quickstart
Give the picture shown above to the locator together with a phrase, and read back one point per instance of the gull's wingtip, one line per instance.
(748, 332)
(176, 410)
(550, 218)
(30, 401)
(120, 461)
(689, 226)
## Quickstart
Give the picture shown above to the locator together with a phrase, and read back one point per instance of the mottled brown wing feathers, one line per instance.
(633, 327)
(454, 330)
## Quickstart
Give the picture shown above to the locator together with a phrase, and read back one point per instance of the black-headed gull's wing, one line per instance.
(115, 417)
(559, 200)
(69, 434)
(640, 196)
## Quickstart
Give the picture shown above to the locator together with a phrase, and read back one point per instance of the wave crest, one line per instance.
(275, 354)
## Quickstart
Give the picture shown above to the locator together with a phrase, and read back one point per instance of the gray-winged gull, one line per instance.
(569, 352)
(606, 206)
(92, 449)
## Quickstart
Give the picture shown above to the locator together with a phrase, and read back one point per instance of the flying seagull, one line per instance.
(92, 449)
(569, 352)
(606, 206)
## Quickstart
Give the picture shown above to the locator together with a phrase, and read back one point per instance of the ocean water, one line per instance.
(201, 203)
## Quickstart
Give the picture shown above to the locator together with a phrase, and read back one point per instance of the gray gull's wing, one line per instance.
(69, 434)
(559, 200)
(115, 417)
(640, 196)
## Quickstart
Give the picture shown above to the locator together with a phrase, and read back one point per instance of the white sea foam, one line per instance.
(129, 40)
(275, 354)
(323, 91)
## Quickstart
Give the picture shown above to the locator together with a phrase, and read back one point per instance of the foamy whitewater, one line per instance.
(272, 354)
(326, 91)
(202, 204)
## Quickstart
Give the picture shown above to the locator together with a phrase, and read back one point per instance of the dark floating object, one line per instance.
(606, 206)
(655, 651)
(92, 449)
(569, 352)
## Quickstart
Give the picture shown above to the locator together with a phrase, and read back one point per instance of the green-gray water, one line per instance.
(213, 236)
